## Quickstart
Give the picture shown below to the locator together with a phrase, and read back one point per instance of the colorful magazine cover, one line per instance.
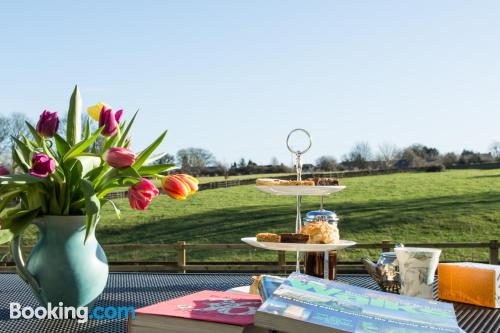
(354, 309)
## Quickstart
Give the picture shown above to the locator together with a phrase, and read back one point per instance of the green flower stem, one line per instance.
(47, 151)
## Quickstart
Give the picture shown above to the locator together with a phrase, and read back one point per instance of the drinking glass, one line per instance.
(417, 267)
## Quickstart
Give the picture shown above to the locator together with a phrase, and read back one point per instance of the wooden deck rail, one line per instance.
(182, 265)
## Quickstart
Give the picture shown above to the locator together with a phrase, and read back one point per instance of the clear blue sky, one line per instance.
(235, 76)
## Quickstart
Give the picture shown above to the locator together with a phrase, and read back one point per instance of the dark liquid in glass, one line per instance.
(314, 263)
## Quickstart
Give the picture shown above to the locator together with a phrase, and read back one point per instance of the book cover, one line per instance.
(268, 285)
(353, 309)
(213, 306)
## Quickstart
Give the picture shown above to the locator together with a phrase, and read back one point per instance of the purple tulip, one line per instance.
(4, 171)
(42, 165)
(48, 124)
(110, 121)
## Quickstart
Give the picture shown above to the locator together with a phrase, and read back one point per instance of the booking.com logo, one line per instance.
(80, 313)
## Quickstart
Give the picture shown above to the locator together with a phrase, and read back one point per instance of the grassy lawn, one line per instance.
(462, 205)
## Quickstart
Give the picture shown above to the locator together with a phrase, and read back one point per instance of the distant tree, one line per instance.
(469, 157)
(11, 126)
(224, 167)
(414, 160)
(388, 153)
(195, 159)
(166, 159)
(495, 150)
(242, 163)
(326, 163)
(424, 152)
(449, 159)
(359, 155)
(275, 162)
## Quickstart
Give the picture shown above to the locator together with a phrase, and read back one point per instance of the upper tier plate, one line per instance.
(300, 190)
(341, 244)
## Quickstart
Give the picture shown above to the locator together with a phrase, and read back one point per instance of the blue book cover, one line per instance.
(268, 285)
(304, 301)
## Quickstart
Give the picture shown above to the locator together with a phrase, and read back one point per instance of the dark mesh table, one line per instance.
(141, 289)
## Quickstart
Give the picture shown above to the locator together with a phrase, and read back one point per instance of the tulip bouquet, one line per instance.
(72, 175)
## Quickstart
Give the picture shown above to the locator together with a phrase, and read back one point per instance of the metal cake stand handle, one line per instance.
(298, 153)
(298, 167)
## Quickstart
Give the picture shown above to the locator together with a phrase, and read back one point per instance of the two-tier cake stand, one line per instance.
(299, 192)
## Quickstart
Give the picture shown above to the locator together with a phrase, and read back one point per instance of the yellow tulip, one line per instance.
(95, 110)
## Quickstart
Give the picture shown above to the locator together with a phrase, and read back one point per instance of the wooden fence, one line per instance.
(280, 265)
(249, 181)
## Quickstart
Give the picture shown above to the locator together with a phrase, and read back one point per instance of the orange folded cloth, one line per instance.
(471, 283)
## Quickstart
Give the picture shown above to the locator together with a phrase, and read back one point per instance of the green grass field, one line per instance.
(451, 206)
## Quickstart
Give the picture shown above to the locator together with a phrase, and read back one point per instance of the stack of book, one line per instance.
(300, 303)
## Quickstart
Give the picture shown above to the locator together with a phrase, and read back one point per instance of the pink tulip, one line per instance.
(48, 124)
(141, 194)
(42, 165)
(119, 157)
(4, 171)
(110, 121)
(175, 187)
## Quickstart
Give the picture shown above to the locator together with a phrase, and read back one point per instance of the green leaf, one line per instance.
(152, 159)
(7, 198)
(87, 132)
(74, 128)
(115, 208)
(110, 143)
(61, 145)
(6, 236)
(112, 177)
(23, 148)
(18, 157)
(148, 170)
(20, 179)
(123, 139)
(82, 145)
(31, 145)
(89, 162)
(143, 156)
(92, 206)
(16, 223)
(92, 174)
(34, 134)
(129, 172)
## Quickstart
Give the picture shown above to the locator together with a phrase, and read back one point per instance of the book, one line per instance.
(268, 285)
(204, 311)
(307, 304)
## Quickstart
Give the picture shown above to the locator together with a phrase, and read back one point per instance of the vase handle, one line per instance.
(17, 256)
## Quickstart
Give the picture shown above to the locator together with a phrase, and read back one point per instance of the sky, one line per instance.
(234, 77)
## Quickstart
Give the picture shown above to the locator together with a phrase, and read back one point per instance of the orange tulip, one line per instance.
(190, 181)
(175, 188)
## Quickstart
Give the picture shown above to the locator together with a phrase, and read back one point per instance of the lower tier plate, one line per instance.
(341, 244)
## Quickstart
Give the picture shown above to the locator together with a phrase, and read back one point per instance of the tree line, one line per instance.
(199, 161)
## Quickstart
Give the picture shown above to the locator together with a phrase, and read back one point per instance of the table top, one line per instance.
(141, 289)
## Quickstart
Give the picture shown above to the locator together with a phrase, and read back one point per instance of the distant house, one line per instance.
(486, 158)
(402, 164)
(308, 167)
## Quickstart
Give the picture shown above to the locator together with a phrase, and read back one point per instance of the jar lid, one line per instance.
(321, 215)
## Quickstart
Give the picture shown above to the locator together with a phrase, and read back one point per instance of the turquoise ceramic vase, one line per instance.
(61, 267)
